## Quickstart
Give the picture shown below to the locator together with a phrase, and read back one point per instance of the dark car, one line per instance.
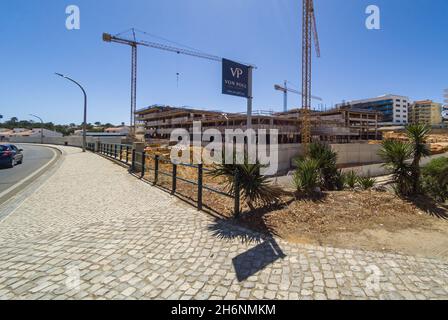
(10, 155)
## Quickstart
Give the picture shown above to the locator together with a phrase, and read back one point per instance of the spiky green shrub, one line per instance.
(417, 134)
(307, 177)
(254, 187)
(435, 179)
(366, 183)
(350, 179)
(331, 177)
(395, 155)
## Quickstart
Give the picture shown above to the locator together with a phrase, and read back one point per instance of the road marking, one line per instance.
(24, 180)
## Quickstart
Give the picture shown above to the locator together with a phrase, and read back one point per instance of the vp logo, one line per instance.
(236, 72)
(445, 114)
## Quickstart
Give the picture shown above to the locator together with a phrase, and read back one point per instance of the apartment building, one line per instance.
(426, 112)
(393, 108)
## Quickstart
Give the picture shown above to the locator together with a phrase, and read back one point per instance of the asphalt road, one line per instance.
(34, 157)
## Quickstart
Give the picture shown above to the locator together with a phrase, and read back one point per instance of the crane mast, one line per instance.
(309, 31)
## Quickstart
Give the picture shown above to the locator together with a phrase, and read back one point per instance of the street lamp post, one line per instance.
(41, 128)
(84, 126)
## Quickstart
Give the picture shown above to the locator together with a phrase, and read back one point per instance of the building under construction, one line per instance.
(340, 125)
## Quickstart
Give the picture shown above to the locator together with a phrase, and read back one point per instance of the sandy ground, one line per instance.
(429, 241)
(378, 221)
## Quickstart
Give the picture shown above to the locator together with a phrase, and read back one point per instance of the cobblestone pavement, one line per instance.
(92, 231)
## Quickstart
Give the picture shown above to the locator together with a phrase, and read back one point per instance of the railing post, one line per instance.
(127, 154)
(121, 153)
(115, 151)
(143, 164)
(133, 161)
(200, 182)
(174, 186)
(156, 169)
(236, 183)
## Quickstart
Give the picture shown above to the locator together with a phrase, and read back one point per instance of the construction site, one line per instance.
(354, 132)
(334, 126)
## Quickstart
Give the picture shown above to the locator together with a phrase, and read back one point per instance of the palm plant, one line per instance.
(350, 179)
(307, 176)
(254, 187)
(417, 134)
(395, 155)
(326, 160)
(366, 183)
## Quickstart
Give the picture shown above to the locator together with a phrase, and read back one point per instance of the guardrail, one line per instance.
(137, 163)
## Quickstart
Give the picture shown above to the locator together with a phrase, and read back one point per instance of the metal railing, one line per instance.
(119, 152)
(137, 163)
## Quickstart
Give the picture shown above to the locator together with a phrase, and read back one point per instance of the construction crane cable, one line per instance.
(167, 40)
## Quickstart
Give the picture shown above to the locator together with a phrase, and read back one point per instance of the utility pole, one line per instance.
(84, 125)
(285, 97)
(41, 128)
(249, 99)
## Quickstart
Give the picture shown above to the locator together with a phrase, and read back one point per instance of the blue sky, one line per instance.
(408, 56)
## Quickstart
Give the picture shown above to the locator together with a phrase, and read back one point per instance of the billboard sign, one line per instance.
(445, 113)
(235, 78)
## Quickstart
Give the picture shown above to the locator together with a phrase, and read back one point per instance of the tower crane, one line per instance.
(134, 43)
(285, 89)
(309, 32)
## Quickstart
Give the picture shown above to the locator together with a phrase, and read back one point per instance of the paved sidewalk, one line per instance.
(92, 231)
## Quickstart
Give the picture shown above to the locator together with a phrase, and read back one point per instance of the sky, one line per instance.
(407, 56)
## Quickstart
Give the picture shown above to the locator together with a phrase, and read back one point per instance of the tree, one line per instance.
(417, 134)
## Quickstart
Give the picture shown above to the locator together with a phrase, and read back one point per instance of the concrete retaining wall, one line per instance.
(348, 154)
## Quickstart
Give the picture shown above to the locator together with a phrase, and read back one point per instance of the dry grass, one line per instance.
(335, 212)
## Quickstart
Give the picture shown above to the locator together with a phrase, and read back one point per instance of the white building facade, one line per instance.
(394, 108)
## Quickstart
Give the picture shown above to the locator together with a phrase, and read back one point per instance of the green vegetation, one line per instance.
(418, 134)
(307, 177)
(331, 177)
(435, 179)
(397, 156)
(255, 188)
(366, 183)
(66, 130)
(350, 179)
(318, 170)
